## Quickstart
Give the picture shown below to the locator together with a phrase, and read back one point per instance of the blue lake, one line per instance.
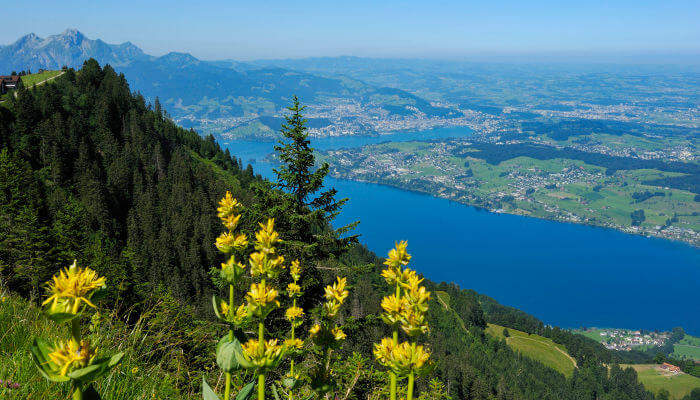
(565, 274)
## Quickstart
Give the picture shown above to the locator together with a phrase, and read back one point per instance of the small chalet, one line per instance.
(670, 367)
(8, 82)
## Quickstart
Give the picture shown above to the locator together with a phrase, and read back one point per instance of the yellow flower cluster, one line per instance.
(229, 242)
(402, 358)
(335, 296)
(293, 313)
(265, 262)
(294, 343)
(407, 308)
(72, 287)
(262, 298)
(410, 302)
(263, 356)
(236, 316)
(69, 356)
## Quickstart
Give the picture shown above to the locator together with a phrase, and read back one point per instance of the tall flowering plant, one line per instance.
(259, 354)
(404, 310)
(75, 360)
(232, 243)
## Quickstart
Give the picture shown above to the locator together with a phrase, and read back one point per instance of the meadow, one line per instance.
(536, 347)
(654, 380)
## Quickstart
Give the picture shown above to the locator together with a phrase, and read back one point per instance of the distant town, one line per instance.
(627, 339)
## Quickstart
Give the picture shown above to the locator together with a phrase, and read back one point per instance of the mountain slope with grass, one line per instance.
(91, 171)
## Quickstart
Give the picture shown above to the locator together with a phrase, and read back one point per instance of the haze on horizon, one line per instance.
(596, 30)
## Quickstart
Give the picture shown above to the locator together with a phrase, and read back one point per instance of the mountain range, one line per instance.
(194, 90)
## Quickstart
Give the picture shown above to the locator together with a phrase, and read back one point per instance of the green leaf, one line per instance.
(246, 391)
(115, 359)
(60, 317)
(40, 350)
(207, 393)
(274, 392)
(97, 369)
(93, 371)
(215, 301)
(290, 383)
(226, 354)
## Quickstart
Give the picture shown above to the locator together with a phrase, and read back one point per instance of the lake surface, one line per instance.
(565, 274)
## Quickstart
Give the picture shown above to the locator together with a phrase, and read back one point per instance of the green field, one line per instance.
(688, 347)
(654, 380)
(538, 348)
(30, 80)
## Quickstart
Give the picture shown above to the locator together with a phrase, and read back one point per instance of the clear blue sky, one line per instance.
(437, 29)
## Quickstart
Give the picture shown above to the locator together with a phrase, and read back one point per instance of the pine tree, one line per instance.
(298, 179)
(295, 175)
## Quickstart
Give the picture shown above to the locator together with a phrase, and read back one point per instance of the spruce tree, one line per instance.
(296, 175)
(301, 181)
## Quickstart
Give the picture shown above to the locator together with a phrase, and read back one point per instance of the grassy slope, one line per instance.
(30, 80)
(133, 379)
(677, 385)
(688, 347)
(538, 348)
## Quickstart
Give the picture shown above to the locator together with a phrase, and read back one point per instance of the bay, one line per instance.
(567, 275)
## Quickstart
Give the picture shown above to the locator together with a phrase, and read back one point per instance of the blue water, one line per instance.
(565, 274)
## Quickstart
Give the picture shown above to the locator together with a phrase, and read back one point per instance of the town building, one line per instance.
(8, 82)
(670, 367)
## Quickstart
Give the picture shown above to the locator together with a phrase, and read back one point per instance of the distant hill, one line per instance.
(196, 89)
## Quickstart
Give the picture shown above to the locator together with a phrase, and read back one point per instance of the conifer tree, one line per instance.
(296, 174)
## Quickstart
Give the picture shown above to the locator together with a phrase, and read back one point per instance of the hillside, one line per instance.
(536, 347)
(655, 379)
(89, 170)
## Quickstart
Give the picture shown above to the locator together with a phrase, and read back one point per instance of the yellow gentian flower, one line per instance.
(293, 313)
(227, 206)
(338, 333)
(73, 286)
(295, 270)
(69, 356)
(295, 343)
(314, 330)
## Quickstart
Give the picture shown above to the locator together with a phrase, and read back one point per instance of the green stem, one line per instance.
(77, 393)
(261, 387)
(261, 349)
(75, 329)
(291, 367)
(395, 338)
(411, 375)
(227, 390)
(75, 334)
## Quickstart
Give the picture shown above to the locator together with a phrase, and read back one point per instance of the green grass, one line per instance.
(231, 182)
(132, 379)
(538, 348)
(688, 347)
(653, 380)
(30, 80)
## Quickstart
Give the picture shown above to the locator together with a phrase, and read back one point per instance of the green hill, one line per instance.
(538, 348)
(655, 379)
